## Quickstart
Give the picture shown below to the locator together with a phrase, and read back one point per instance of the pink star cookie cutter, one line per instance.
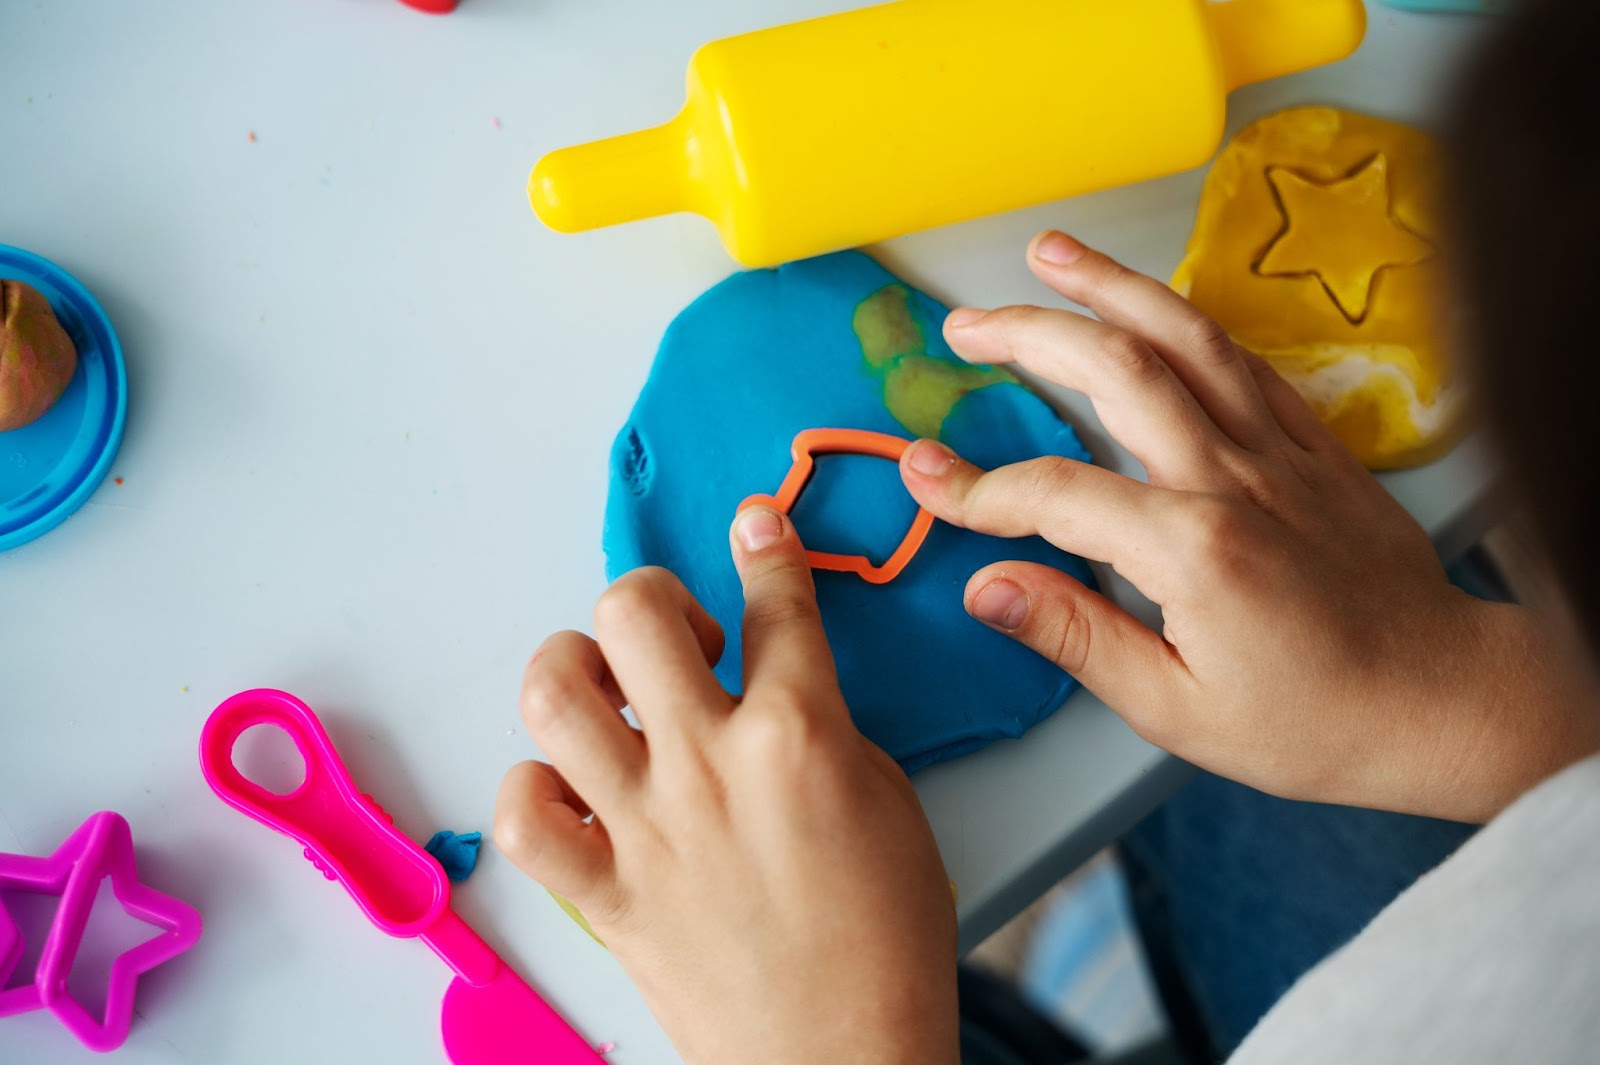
(101, 847)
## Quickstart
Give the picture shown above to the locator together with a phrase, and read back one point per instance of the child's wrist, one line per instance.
(1518, 717)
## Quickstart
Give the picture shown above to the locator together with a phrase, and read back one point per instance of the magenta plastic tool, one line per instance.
(490, 1016)
(101, 847)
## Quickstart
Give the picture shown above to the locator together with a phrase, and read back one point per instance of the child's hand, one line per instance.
(765, 874)
(1313, 647)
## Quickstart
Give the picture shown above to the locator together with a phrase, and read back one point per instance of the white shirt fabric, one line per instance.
(1494, 957)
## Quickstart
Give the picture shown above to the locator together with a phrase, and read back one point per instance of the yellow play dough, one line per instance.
(1314, 245)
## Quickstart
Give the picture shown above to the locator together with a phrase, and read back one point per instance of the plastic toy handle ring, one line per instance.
(813, 442)
(398, 885)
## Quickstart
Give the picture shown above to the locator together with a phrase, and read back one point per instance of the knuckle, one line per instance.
(1206, 338)
(1047, 477)
(539, 660)
(1263, 371)
(556, 647)
(784, 735)
(691, 792)
(970, 500)
(1131, 357)
(1068, 643)
(776, 608)
(1215, 534)
(1016, 314)
(1035, 486)
(654, 581)
(1273, 386)
(1215, 524)
(634, 594)
(547, 695)
(609, 905)
(1255, 481)
(1014, 321)
(1008, 501)
(1108, 275)
(790, 703)
(516, 835)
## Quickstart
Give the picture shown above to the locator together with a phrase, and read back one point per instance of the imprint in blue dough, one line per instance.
(838, 342)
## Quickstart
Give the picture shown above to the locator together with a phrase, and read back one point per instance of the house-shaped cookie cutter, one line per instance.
(813, 442)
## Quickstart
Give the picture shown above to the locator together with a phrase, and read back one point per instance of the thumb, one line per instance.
(1132, 669)
(784, 641)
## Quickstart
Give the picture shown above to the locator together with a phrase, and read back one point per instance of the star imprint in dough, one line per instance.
(1341, 233)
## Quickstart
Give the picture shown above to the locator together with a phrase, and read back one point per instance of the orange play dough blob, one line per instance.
(37, 357)
(1314, 246)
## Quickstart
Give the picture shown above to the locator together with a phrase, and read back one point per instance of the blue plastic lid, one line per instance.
(48, 469)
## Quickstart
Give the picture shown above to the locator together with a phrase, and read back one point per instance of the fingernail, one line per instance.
(930, 457)
(1058, 249)
(1001, 604)
(758, 527)
(962, 317)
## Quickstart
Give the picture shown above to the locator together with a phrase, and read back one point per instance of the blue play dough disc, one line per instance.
(751, 363)
(48, 469)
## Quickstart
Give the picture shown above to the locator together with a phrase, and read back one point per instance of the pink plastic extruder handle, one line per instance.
(345, 834)
(490, 1014)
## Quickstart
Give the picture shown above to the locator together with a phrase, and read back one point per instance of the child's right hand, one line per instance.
(763, 872)
(1312, 647)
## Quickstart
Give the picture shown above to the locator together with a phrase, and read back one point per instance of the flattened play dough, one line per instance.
(838, 342)
(1314, 246)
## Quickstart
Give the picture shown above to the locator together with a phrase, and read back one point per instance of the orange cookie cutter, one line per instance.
(813, 442)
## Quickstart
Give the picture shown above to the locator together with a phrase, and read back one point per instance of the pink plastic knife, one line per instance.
(490, 1016)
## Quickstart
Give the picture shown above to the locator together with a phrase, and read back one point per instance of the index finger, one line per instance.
(1141, 402)
(784, 642)
(1077, 506)
(661, 645)
(1199, 351)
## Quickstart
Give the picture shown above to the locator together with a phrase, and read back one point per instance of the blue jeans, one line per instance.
(1238, 894)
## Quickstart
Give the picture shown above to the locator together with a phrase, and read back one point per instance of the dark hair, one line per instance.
(1524, 200)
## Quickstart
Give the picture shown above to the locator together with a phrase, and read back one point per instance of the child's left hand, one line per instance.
(763, 872)
(1311, 644)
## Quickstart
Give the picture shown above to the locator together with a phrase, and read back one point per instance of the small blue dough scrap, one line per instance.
(458, 854)
(751, 363)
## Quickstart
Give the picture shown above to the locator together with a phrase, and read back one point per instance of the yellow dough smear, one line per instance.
(1315, 246)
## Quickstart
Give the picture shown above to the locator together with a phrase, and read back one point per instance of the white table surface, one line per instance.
(371, 402)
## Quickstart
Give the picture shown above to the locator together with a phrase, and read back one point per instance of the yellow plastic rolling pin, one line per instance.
(861, 126)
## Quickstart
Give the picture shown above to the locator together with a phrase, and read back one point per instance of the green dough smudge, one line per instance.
(886, 328)
(919, 389)
(577, 916)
